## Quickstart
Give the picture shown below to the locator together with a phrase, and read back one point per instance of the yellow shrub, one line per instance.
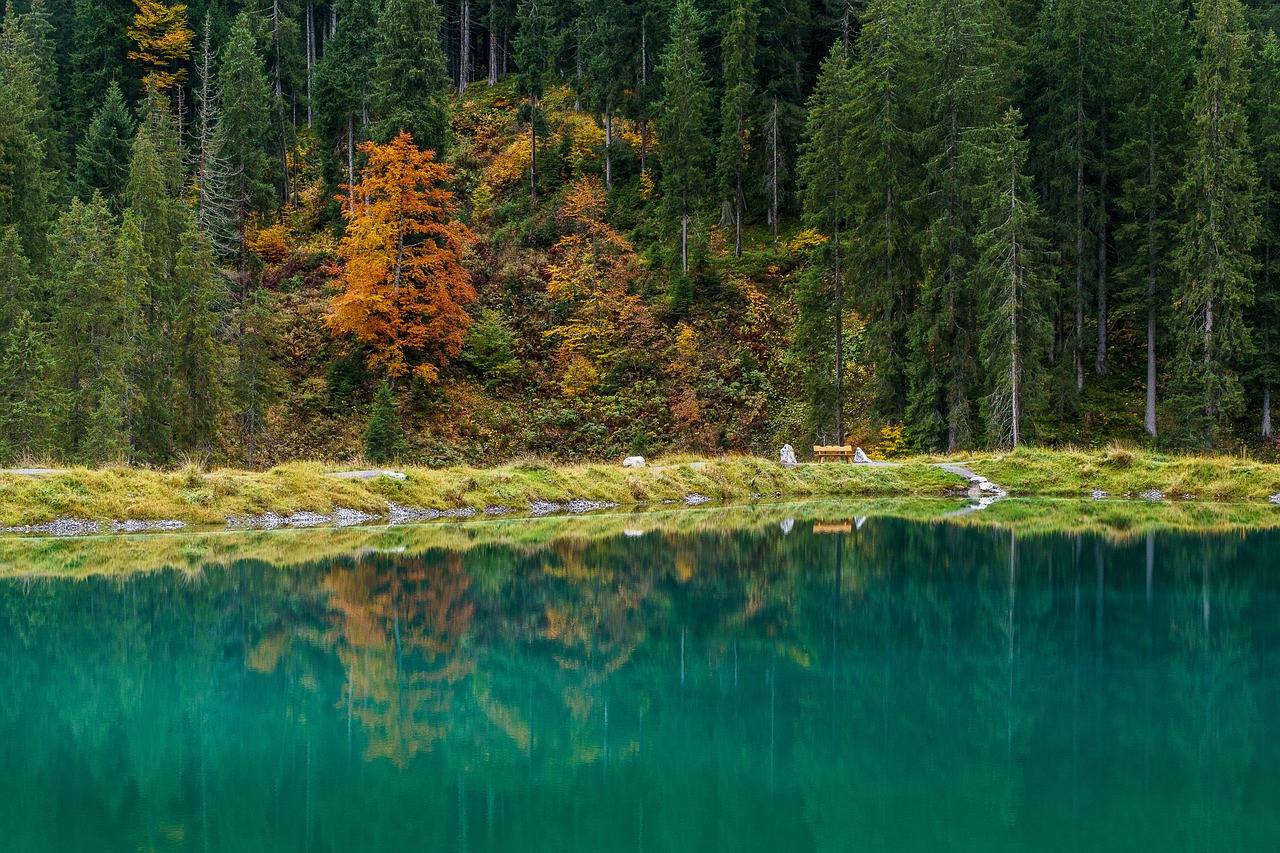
(806, 240)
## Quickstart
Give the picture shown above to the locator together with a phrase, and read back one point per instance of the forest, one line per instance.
(464, 231)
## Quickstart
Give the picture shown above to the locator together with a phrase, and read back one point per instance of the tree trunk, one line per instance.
(1266, 409)
(493, 42)
(464, 48)
(1100, 361)
(684, 231)
(533, 155)
(773, 188)
(351, 162)
(737, 198)
(1079, 144)
(608, 148)
(310, 36)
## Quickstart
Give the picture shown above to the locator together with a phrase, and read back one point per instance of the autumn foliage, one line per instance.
(593, 266)
(403, 286)
(162, 42)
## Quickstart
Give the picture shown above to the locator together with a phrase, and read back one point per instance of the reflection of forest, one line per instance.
(903, 685)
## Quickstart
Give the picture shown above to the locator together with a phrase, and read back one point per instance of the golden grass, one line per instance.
(201, 497)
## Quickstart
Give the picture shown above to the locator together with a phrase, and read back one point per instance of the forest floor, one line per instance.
(123, 499)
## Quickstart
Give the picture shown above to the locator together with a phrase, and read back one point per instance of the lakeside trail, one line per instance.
(120, 499)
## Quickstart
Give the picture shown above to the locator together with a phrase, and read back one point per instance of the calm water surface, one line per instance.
(905, 686)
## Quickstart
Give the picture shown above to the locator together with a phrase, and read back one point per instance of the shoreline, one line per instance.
(82, 501)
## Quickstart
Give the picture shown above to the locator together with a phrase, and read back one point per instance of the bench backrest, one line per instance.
(837, 448)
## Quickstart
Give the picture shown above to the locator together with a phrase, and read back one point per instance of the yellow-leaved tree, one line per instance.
(162, 43)
(403, 286)
(591, 270)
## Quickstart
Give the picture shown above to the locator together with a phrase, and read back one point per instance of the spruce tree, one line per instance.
(102, 158)
(683, 123)
(536, 45)
(1218, 201)
(738, 48)
(824, 181)
(609, 45)
(886, 185)
(1009, 278)
(26, 183)
(1153, 127)
(244, 99)
(410, 76)
(28, 394)
(966, 50)
(1265, 133)
(384, 437)
(195, 350)
(342, 90)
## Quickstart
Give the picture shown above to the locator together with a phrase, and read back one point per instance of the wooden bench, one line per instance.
(839, 453)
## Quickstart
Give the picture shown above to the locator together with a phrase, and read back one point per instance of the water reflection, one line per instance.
(828, 686)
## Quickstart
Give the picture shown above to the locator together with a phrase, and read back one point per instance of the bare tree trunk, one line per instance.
(493, 42)
(738, 200)
(351, 162)
(311, 57)
(608, 147)
(1100, 361)
(773, 183)
(464, 48)
(1079, 142)
(1266, 409)
(533, 155)
(684, 231)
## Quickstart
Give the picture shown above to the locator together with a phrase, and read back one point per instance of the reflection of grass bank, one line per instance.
(123, 555)
(199, 497)
(191, 552)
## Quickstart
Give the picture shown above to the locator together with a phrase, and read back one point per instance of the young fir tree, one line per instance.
(1153, 126)
(1218, 200)
(886, 113)
(824, 183)
(102, 158)
(384, 437)
(244, 97)
(410, 76)
(195, 351)
(99, 42)
(682, 124)
(1265, 133)
(1009, 277)
(738, 49)
(609, 45)
(28, 394)
(536, 45)
(965, 49)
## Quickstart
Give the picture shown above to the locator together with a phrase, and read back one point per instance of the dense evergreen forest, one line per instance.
(464, 230)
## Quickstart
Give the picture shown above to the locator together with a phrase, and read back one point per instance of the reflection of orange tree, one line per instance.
(400, 624)
(596, 627)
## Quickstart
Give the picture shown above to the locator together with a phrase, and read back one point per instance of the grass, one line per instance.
(200, 497)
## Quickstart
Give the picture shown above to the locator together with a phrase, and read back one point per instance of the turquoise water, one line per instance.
(906, 686)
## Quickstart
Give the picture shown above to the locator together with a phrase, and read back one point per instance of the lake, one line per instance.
(748, 682)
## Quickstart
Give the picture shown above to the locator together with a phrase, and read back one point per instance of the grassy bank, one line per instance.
(201, 497)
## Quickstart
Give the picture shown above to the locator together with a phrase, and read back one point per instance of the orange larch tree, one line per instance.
(403, 287)
(162, 42)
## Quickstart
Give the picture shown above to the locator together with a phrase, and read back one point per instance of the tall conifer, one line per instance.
(683, 123)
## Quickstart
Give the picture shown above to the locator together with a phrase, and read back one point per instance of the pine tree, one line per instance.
(683, 122)
(1010, 280)
(1218, 200)
(1153, 127)
(244, 97)
(410, 76)
(609, 44)
(965, 49)
(738, 48)
(99, 42)
(342, 89)
(195, 350)
(384, 437)
(102, 158)
(826, 199)
(882, 162)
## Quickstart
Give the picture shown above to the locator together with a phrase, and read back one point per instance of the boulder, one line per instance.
(859, 456)
(788, 456)
(633, 462)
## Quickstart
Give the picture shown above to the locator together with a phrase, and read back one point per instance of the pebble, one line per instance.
(578, 505)
(135, 526)
(498, 510)
(1152, 495)
(307, 519)
(695, 499)
(347, 517)
(541, 507)
(1275, 499)
(1098, 494)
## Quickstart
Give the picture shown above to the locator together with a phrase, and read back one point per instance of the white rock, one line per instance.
(787, 524)
(633, 462)
(788, 456)
(859, 456)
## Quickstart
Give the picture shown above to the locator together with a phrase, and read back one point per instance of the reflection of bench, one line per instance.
(840, 453)
(829, 527)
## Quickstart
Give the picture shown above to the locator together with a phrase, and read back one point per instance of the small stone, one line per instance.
(1097, 494)
(859, 457)
(344, 517)
(1152, 495)
(695, 499)
(541, 507)
(633, 462)
(1275, 499)
(788, 456)
(498, 510)
(307, 519)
